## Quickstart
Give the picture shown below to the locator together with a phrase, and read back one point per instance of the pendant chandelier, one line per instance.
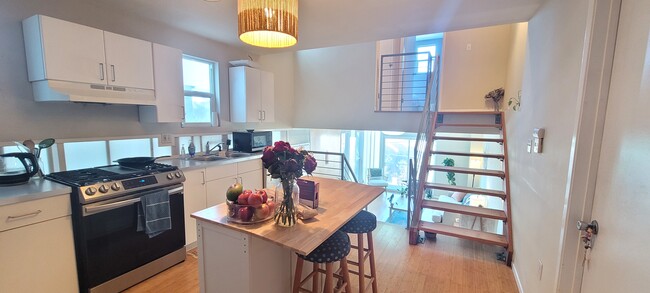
(268, 23)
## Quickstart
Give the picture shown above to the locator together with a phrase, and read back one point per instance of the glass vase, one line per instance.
(287, 194)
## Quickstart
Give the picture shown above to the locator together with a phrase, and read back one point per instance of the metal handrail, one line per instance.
(416, 168)
(344, 166)
(400, 75)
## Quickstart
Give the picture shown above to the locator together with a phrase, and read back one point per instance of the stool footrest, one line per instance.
(365, 257)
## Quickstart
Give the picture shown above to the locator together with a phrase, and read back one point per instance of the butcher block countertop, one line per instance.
(339, 202)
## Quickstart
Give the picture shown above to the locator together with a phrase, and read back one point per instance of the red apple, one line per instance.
(262, 211)
(248, 192)
(255, 199)
(245, 214)
(263, 194)
(242, 198)
(271, 205)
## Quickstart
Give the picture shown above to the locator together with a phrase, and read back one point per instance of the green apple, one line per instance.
(234, 191)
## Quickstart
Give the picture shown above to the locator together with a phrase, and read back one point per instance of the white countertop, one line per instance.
(35, 188)
(185, 164)
(38, 188)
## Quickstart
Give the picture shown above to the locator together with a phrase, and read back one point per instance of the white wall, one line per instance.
(538, 181)
(335, 89)
(468, 73)
(516, 58)
(22, 118)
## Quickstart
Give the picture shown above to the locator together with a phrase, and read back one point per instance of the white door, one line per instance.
(253, 94)
(620, 259)
(129, 60)
(193, 200)
(72, 52)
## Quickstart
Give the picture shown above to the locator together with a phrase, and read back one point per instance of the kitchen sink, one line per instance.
(208, 158)
(238, 155)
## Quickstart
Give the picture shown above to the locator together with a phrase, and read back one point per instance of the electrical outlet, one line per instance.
(540, 268)
(166, 140)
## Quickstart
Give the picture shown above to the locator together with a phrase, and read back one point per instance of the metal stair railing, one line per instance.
(333, 165)
(417, 166)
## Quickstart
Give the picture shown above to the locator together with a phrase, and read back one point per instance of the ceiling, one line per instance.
(325, 23)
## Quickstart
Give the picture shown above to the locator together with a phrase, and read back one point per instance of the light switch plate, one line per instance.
(530, 145)
(166, 140)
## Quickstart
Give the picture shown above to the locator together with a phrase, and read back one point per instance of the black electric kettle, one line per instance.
(16, 168)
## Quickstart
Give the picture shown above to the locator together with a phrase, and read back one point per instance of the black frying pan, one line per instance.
(137, 161)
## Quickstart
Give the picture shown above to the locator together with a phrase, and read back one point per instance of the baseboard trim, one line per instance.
(514, 271)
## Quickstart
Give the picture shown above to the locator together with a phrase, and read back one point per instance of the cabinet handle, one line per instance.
(113, 71)
(32, 214)
(259, 115)
(203, 175)
(263, 115)
(101, 71)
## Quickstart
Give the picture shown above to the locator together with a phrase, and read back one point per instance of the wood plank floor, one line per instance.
(446, 264)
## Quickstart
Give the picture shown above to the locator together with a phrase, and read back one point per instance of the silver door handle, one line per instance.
(259, 115)
(263, 115)
(109, 206)
(32, 214)
(101, 71)
(113, 71)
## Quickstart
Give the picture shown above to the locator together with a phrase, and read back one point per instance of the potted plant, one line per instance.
(451, 176)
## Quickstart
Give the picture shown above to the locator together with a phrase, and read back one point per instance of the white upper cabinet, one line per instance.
(64, 51)
(59, 50)
(129, 60)
(168, 76)
(251, 95)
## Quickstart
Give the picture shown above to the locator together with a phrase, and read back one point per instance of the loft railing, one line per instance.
(404, 82)
(417, 172)
(333, 165)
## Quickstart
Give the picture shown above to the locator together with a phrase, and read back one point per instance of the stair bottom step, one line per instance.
(479, 236)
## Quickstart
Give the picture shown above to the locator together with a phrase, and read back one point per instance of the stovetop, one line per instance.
(107, 182)
(90, 176)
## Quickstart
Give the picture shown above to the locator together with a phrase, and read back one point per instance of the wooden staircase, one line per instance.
(453, 123)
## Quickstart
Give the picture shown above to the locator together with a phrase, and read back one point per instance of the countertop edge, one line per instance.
(35, 189)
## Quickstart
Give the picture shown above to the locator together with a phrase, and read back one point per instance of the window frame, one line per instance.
(213, 95)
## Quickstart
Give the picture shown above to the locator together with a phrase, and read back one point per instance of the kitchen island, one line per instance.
(260, 257)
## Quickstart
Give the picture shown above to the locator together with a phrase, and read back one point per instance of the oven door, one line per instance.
(110, 244)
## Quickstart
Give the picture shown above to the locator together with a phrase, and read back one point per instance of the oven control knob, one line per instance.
(103, 189)
(170, 176)
(91, 191)
(178, 174)
(115, 187)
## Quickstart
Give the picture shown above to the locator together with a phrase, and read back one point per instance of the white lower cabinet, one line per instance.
(193, 200)
(38, 257)
(207, 187)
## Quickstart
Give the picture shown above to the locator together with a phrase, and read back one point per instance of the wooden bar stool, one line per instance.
(335, 248)
(363, 223)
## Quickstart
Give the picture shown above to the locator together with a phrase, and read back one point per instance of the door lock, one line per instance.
(583, 226)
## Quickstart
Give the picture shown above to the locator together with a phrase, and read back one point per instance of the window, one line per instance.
(201, 88)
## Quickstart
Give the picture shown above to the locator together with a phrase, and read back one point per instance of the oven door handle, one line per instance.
(115, 205)
(109, 206)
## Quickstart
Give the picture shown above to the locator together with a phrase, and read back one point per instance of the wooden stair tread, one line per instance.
(484, 237)
(470, 112)
(493, 156)
(474, 190)
(467, 125)
(495, 173)
(464, 209)
(468, 138)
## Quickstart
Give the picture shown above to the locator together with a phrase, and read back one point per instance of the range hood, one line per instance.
(66, 91)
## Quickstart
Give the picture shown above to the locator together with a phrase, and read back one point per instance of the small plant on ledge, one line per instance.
(451, 176)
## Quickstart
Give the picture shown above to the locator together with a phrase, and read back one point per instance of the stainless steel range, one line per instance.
(112, 254)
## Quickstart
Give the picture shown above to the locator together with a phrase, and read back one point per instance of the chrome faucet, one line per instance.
(216, 146)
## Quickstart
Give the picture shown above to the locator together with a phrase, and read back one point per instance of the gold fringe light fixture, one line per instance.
(268, 23)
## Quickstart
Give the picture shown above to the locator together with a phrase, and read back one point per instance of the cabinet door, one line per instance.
(70, 52)
(193, 200)
(130, 61)
(216, 191)
(168, 83)
(252, 179)
(267, 96)
(39, 258)
(245, 92)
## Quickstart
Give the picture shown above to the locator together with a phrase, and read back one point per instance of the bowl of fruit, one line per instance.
(248, 206)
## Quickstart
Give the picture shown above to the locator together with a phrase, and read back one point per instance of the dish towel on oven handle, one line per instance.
(154, 216)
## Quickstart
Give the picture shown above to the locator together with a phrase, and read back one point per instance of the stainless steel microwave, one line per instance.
(250, 142)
